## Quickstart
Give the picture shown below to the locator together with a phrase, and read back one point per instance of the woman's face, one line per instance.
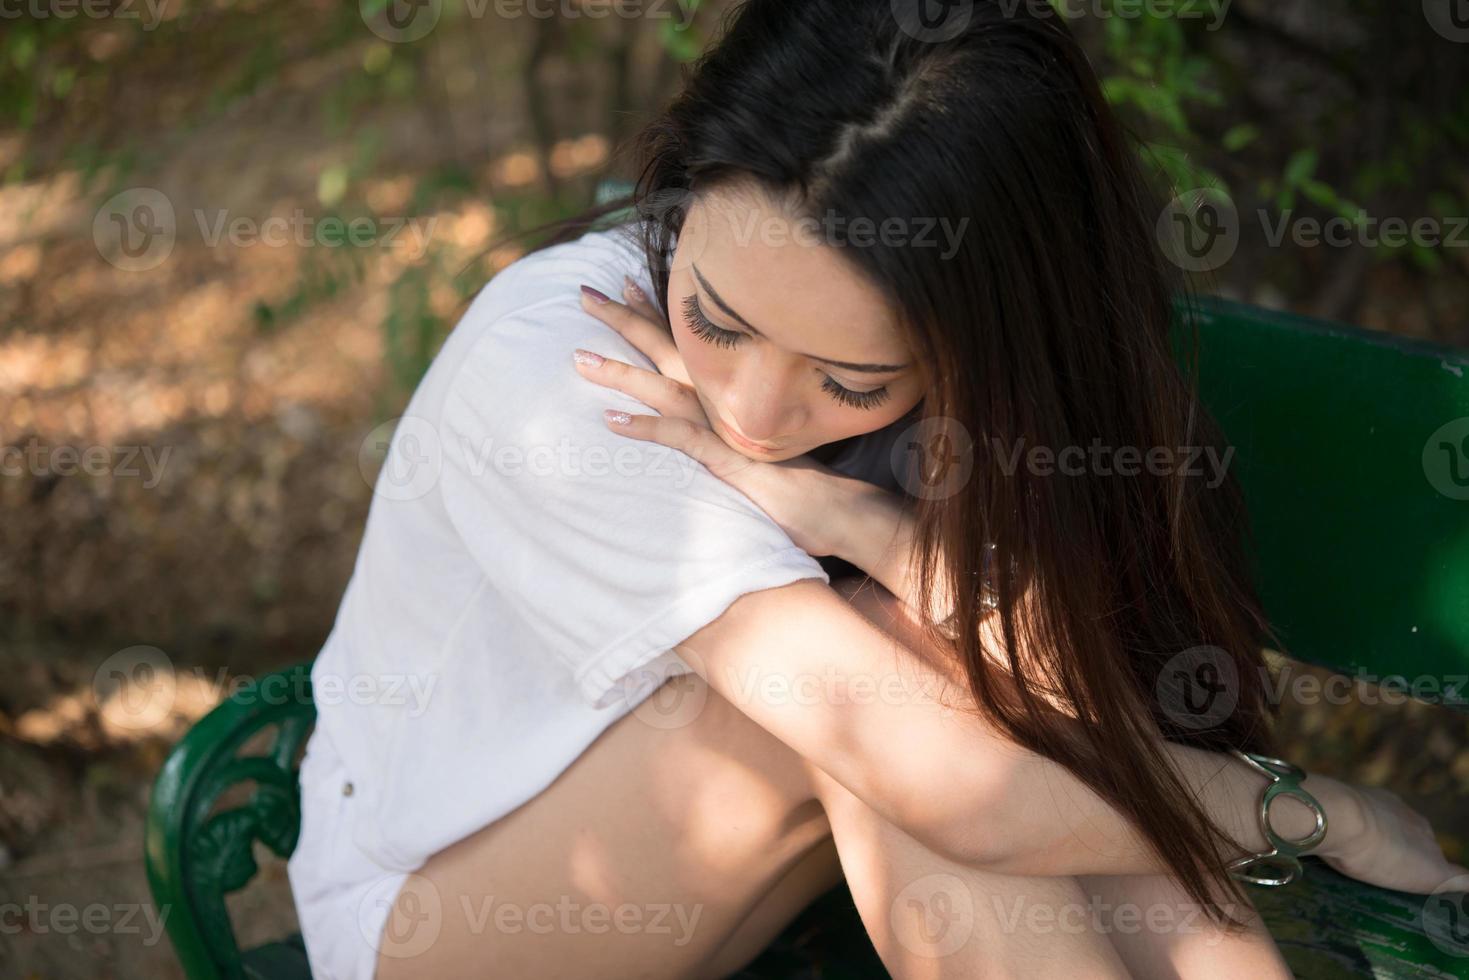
(786, 344)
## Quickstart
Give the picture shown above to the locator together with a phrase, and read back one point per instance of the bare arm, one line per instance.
(813, 671)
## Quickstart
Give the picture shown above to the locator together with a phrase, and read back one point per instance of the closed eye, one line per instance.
(700, 326)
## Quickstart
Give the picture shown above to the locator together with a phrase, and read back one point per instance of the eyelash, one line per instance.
(706, 331)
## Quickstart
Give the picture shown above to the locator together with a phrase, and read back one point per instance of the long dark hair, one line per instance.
(1049, 327)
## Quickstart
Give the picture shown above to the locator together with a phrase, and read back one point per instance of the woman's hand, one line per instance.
(800, 494)
(1384, 842)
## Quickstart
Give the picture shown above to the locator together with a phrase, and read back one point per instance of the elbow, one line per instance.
(963, 811)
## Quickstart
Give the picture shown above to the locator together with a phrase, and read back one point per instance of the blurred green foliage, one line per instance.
(1328, 117)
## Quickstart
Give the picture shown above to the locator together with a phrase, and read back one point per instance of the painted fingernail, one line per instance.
(587, 357)
(617, 418)
(597, 295)
(633, 289)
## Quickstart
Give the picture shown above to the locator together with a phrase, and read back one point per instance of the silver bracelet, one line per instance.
(1284, 855)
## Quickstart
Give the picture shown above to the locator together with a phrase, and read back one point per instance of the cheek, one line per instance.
(708, 366)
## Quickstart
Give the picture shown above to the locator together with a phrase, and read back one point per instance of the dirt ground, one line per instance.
(232, 390)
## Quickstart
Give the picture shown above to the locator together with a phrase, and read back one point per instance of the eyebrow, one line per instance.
(845, 365)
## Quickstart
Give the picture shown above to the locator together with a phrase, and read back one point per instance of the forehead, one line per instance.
(782, 276)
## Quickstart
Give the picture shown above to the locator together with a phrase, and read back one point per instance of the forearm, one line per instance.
(1053, 824)
(1068, 829)
(872, 529)
(884, 723)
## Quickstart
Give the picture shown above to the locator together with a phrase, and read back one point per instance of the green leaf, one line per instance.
(1301, 167)
(1240, 136)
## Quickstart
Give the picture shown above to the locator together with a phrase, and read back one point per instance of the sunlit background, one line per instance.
(232, 235)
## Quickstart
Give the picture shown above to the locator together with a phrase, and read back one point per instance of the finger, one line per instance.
(697, 441)
(639, 300)
(667, 396)
(650, 337)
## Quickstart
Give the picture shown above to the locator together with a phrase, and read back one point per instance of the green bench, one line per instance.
(1353, 449)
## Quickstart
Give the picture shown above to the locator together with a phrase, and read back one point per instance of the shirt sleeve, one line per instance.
(613, 549)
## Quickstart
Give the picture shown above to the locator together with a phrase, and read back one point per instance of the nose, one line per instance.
(762, 402)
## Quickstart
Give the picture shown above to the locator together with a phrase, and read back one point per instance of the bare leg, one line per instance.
(930, 918)
(1157, 930)
(698, 834)
(1162, 934)
(726, 833)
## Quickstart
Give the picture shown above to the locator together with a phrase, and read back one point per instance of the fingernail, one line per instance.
(597, 295)
(617, 418)
(587, 357)
(634, 289)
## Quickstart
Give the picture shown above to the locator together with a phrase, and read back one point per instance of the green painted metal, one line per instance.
(1349, 444)
(196, 856)
(1328, 926)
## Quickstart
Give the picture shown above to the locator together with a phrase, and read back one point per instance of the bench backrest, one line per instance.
(1353, 452)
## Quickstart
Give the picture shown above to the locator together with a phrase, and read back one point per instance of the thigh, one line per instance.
(932, 918)
(683, 826)
(1163, 934)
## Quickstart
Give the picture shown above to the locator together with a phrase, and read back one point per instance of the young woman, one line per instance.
(592, 709)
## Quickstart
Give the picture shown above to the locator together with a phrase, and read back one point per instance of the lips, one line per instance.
(747, 443)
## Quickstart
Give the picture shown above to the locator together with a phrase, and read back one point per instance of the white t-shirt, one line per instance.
(525, 570)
